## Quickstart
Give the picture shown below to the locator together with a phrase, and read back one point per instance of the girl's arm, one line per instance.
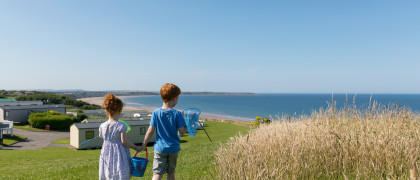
(128, 143)
(100, 132)
(149, 133)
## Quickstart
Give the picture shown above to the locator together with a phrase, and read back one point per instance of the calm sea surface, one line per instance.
(247, 107)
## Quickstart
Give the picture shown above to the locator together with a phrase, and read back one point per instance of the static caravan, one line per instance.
(96, 112)
(20, 113)
(81, 132)
(101, 120)
(22, 103)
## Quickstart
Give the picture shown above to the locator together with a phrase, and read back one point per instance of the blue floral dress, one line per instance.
(115, 159)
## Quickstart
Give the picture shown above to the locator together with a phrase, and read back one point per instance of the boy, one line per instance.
(166, 121)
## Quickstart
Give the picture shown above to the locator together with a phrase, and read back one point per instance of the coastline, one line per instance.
(206, 116)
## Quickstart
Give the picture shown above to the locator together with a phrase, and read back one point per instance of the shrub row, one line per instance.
(54, 119)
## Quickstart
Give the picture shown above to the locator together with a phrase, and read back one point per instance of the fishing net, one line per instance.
(191, 116)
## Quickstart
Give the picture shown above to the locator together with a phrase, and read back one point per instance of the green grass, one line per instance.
(8, 140)
(195, 161)
(29, 128)
(62, 141)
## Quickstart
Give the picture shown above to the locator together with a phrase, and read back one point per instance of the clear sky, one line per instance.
(212, 45)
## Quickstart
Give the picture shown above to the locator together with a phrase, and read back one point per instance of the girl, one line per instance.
(115, 159)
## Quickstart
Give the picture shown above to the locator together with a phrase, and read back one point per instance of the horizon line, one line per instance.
(81, 90)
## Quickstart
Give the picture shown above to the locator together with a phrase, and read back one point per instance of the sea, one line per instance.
(247, 107)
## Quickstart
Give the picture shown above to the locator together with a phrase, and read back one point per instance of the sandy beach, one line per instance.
(99, 101)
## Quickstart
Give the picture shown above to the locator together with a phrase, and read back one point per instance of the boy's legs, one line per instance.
(164, 163)
(157, 177)
(170, 176)
(173, 157)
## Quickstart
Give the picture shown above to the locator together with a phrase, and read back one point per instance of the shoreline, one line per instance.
(211, 117)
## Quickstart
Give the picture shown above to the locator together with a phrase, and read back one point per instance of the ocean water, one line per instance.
(247, 107)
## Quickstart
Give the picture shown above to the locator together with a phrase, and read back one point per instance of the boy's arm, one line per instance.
(149, 133)
(182, 130)
(182, 127)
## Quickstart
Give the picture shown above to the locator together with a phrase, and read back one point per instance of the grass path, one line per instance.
(196, 159)
(36, 140)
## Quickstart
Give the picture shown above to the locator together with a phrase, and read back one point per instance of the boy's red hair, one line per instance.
(169, 91)
(112, 105)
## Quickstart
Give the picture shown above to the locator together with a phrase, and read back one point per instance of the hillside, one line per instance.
(47, 98)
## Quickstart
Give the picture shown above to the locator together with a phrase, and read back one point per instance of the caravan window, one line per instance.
(89, 135)
(142, 130)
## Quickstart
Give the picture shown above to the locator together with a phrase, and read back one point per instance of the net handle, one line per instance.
(147, 155)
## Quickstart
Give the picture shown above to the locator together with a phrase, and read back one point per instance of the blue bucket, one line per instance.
(139, 165)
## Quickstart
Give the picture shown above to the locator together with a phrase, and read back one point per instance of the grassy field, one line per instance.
(8, 140)
(196, 159)
(379, 142)
(62, 141)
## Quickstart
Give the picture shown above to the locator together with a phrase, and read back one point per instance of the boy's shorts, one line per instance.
(164, 163)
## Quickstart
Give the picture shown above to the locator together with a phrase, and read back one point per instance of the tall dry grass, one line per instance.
(378, 142)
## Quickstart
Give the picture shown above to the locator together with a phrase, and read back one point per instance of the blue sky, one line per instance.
(236, 45)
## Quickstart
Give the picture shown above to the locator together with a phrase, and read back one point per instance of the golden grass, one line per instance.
(378, 142)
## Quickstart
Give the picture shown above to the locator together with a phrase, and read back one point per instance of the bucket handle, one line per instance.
(147, 155)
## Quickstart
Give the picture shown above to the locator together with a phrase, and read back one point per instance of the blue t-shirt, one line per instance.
(167, 122)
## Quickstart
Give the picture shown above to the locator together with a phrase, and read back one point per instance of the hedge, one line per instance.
(56, 121)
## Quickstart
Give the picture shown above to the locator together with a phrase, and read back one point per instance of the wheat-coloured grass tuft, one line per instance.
(377, 142)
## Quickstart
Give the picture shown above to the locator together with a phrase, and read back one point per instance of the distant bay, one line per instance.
(247, 107)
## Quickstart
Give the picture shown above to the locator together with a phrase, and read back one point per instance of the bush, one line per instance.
(81, 117)
(380, 142)
(258, 121)
(90, 107)
(53, 112)
(56, 121)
